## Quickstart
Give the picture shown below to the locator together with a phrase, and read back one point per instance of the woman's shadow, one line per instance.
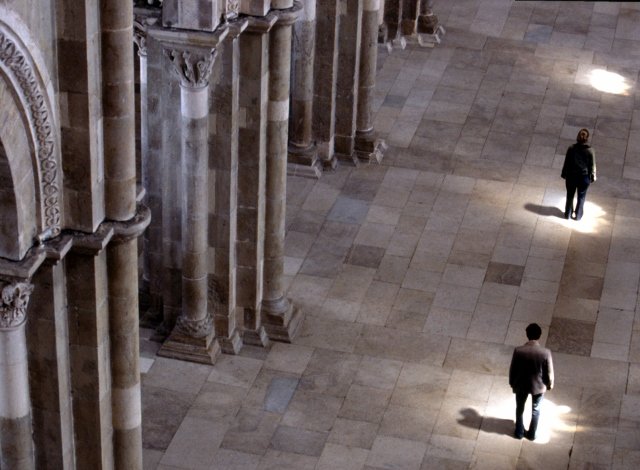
(547, 211)
(472, 419)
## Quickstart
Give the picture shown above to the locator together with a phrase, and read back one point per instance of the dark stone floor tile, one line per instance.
(571, 336)
(365, 256)
(502, 273)
(163, 411)
(580, 286)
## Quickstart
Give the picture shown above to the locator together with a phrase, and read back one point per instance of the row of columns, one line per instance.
(404, 18)
(231, 185)
(336, 42)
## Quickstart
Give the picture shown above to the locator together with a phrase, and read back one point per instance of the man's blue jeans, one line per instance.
(536, 401)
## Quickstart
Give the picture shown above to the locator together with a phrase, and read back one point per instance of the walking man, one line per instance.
(530, 373)
(578, 171)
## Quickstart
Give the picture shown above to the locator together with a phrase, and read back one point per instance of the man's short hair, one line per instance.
(533, 331)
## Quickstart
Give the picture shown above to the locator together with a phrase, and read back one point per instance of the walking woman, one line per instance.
(578, 171)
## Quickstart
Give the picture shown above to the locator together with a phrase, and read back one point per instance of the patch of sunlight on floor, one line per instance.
(593, 218)
(554, 418)
(609, 82)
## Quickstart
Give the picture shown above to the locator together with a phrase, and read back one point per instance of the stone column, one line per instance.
(427, 20)
(116, 22)
(409, 17)
(223, 164)
(392, 20)
(348, 78)
(89, 349)
(324, 90)
(193, 337)
(367, 145)
(303, 155)
(16, 444)
(49, 360)
(125, 340)
(279, 316)
(152, 238)
(252, 148)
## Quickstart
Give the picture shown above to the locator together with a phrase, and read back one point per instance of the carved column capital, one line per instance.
(231, 9)
(192, 66)
(13, 304)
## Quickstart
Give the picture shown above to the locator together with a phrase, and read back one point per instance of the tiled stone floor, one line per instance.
(419, 275)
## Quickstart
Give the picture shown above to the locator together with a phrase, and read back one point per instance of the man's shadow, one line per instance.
(547, 211)
(472, 419)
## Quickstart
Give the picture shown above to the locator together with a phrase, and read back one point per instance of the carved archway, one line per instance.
(34, 168)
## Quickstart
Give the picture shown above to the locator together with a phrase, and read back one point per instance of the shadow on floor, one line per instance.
(547, 211)
(472, 419)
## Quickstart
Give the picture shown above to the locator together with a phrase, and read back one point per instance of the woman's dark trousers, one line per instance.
(579, 184)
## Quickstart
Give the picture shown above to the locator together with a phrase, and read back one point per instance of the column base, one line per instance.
(231, 345)
(257, 337)
(429, 31)
(345, 150)
(204, 350)
(304, 162)
(281, 319)
(369, 148)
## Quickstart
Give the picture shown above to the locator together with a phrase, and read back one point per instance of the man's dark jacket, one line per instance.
(531, 369)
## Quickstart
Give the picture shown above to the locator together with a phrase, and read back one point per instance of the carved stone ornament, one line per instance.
(232, 10)
(13, 304)
(140, 36)
(16, 63)
(195, 328)
(192, 67)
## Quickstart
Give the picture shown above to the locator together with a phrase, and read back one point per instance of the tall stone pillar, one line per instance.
(49, 360)
(348, 78)
(324, 89)
(223, 164)
(280, 317)
(116, 22)
(89, 349)
(427, 20)
(409, 16)
(392, 20)
(16, 443)
(252, 148)
(193, 337)
(367, 145)
(303, 155)
(151, 182)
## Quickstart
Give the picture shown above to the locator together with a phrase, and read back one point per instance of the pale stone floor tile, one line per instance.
(235, 370)
(288, 358)
(336, 456)
(278, 460)
(378, 373)
(178, 376)
(194, 444)
(615, 352)
(453, 448)
(471, 385)
(312, 411)
(391, 452)
(335, 309)
(353, 433)
(151, 458)
(226, 459)
(456, 297)
(492, 461)
(447, 322)
(330, 334)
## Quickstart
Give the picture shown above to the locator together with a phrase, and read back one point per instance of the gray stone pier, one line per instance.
(116, 25)
(193, 337)
(367, 145)
(280, 317)
(303, 154)
(254, 75)
(16, 443)
(223, 168)
(348, 78)
(324, 91)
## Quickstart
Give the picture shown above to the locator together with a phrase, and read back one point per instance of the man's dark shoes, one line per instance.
(518, 436)
(530, 436)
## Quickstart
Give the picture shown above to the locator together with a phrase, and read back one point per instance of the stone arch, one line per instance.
(30, 164)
